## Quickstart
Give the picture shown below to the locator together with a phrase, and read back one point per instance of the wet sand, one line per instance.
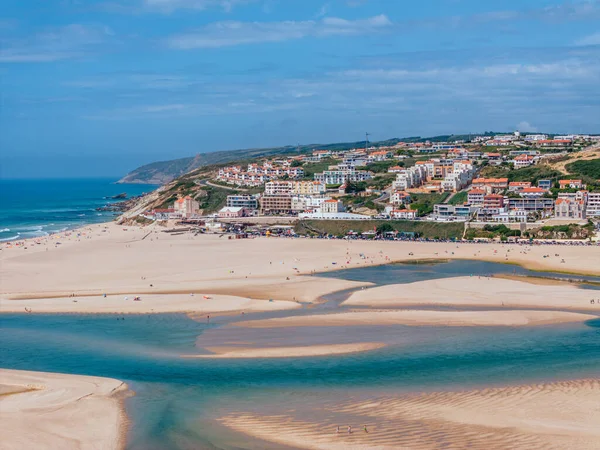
(542, 416)
(510, 318)
(287, 352)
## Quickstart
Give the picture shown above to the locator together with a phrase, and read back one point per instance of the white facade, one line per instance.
(332, 206)
(593, 205)
(279, 188)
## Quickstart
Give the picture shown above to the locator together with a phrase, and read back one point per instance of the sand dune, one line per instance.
(55, 411)
(419, 318)
(476, 291)
(540, 416)
(287, 352)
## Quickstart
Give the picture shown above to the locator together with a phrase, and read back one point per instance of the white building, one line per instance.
(535, 137)
(593, 205)
(332, 206)
(341, 176)
(412, 177)
(308, 202)
(279, 187)
(404, 214)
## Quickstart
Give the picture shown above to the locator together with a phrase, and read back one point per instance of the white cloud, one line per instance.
(56, 44)
(230, 33)
(168, 6)
(526, 127)
(592, 39)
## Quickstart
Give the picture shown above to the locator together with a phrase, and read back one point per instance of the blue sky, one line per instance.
(93, 88)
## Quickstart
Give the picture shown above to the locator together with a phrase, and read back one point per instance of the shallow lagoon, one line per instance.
(178, 400)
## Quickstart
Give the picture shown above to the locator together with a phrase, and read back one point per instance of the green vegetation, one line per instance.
(459, 198)
(589, 168)
(532, 173)
(424, 202)
(491, 231)
(381, 181)
(430, 230)
(381, 166)
(311, 168)
(353, 187)
(214, 200)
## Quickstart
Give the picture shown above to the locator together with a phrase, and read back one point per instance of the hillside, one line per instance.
(164, 171)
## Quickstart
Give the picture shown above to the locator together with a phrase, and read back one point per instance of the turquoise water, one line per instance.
(178, 400)
(32, 208)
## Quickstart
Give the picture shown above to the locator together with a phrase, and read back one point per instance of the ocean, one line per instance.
(32, 208)
(179, 402)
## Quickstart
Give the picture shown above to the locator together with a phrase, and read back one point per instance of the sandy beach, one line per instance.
(541, 416)
(128, 261)
(510, 318)
(54, 411)
(476, 291)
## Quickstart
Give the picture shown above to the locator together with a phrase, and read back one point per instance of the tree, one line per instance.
(384, 228)
(352, 187)
(296, 163)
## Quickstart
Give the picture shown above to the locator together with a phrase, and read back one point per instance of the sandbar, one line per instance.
(512, 318)
(56, 411)
(153, 303)
(287, 352)
(477, 291)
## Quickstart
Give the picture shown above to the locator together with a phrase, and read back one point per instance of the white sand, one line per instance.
(148, 304)
(475, 291)
(107, 259)
(512, 318)
(287, 352)
(56, 411)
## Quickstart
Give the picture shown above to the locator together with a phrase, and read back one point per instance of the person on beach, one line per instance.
(349, 429)
(337, 429)
(365, 428)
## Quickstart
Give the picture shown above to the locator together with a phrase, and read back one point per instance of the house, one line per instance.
(571, 184)
(395, 169)
(567, 208)
(510, 216)
(516, 186)
(232, 212)
(493, 201)
(444, 212)
(162, 213)
(332, 206)
(400, 198)
(532, 192)
(186, 207)
(522, 161)
(545, 184)
(404, 214)
(476, 196)
(491, 185)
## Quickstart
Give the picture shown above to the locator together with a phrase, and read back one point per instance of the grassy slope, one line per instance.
(337, 228)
